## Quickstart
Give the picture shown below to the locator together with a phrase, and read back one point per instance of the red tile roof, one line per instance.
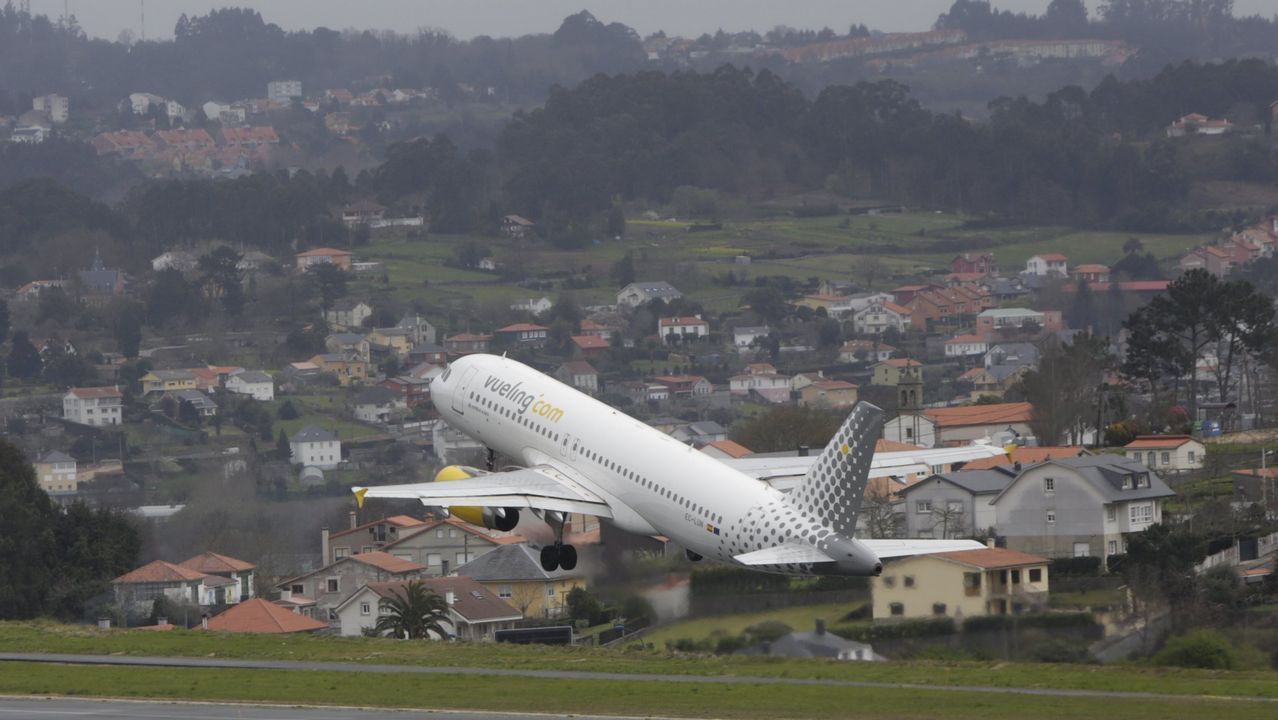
(1154, 442)
(1090, 268)
(402, 522)
(729, 448)
(211, 563)
(323, 252)
(159, 571)
(992, 558)
(261, 616)
(996, 414)
(590, 342)
(898, 309)
(1054, 257)
(902, 362)
(521, 327)
(96, 392)
(1027, 456)
(882, 445)
(387, 562)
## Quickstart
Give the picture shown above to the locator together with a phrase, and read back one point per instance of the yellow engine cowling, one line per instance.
(504, 520)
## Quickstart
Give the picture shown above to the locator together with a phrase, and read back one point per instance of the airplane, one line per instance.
(579, 455)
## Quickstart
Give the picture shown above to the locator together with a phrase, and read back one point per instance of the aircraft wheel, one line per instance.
(568, 557)
(550, 558)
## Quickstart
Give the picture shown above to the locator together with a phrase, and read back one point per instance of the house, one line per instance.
(428, 353)
(332, 584)
(349, 342)
(969, 264)
(414, 391)
(370, 536)
(685, 385)
(878, 317)
(591, 328)
(387, 342)
(31, 291)
(257, 385)
(57, 107)
(1079, 506)
(514, 574)
(954, 504)
(522, 334)
(993, 381)
(1174, 453)
(420, 331)
(744, 337)
(533, 306)
(137, 590)
(1026, 456)
(1090, 273)
(260, 616)
(379, 405)
(949, 306)
(320, 256)
(440, 546)
(362, 212)
(698, 434)
(1016, 354)
(315, 447)
(283, 91)
(161, 381)
(209, 379)
(741, 385)
(249, 138)
(96, 406)
(1196, 124)
(101, 280)
(238, 572)
(956, 426)
(961, 346)
(817, 644)
(673, 330)
(348, 367)
(1048, 265)
(193, 140)
(963, 584)
(174, 260)
(829, 393)
(589, 346)
(301, 373)
(348, 314)
(201, 403)
(726, 449)
(474, 612)
(1210, 258)
(516, 226)
(579, 374)
(56, 473)
(639, 293)
(1000, 323)
(856, 351)
(466, 344)
(893, 371)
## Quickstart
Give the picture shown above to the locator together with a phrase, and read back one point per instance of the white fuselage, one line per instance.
(653, 483)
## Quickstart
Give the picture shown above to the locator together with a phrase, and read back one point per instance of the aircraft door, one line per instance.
(459, 395)
(568, 447)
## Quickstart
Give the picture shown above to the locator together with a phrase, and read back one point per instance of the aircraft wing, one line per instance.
(539, 488)
(784, 554)
(884, 464)
(902, 548)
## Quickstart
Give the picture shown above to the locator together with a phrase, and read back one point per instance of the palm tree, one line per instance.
(414, 613)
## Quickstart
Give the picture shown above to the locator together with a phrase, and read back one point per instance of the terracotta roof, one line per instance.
(464, 527)
(159, 571)
(992, 558)
(521, 327)
(323, 252)
(1090, 268)
(589, 342)
(211, 563)
(882, 445)
(261, 616)
(1153, 442)
(999, 413)
(402, 522)
(682, 320)
(961, 339)
(96, 392)
(902, 362)
(387, 562)
(729, 448)
(898, 309)
(833, 385)
(467, 337)
(1055, 257)
(1026, 456)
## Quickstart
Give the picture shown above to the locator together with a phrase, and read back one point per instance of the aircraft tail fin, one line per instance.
(833, 487)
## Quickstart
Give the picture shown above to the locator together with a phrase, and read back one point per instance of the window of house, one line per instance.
(1049, 485)
(434, 559)
(1016, 577)
(365, 608)
(889, 581)
(1111, 548)
(923, 507)
(1127, 482)
(439, 532)
(909, 433)
(954, 506)
(909, 581)
(1149, 458)
(897, 608)
(1142, 512)
(1111, 514)
(341, 552)
(504, 591)
(1192, 456)
(550, 589)
(297, 590)
(1082, 549)
(1166, 458)
(1036, 575)
(1142, 480)
(333, 585)
(1051, 516)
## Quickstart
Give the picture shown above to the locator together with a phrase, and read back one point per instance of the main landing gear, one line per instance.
(558, 555)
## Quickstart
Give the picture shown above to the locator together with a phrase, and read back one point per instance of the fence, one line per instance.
(1242, 550)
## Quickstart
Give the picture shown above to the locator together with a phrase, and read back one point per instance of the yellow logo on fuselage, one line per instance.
(522, 399)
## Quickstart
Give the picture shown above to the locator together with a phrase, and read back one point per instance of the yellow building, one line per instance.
(395, 341)
(892, 372)
(162, 381)
(348, 366)
(56, 472)
(514, 574)
(964, 584)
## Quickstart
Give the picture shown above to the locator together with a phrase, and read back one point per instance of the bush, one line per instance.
(1198, 649)
(729, 644)
(863, 612)
(899, 631)
(1075, 566)
(768, 631)
(287, 411)
(1047, 620)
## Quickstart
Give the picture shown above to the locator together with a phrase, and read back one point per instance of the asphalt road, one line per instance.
(52, 708)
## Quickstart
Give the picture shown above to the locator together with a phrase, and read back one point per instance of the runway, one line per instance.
(53, 708)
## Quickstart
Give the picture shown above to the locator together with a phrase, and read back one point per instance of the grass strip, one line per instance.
(513, 694)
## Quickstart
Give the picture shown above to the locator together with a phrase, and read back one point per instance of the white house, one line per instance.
(95, 406)
(682, 328)
(474, 611)
(966, 346)
(174, 260)
(1175, 453)
(579, 374)
(854, 351)
(348, 314)
(257, 385)
(741, 385)
(283, 90)
(316, 447)
(379, 405)
(638, 293)
(141, 103)
(744, 337)
(1047, 264)
(876, 317)
(536, 306)
(954, 426)
(58, 107)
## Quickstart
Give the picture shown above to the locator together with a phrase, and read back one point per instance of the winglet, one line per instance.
(1009, 449)
(359, 496)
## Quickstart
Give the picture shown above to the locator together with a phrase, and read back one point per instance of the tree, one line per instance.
(1082, 312)
(413, 613)
(24, 360)
(616, 222)
(4, 321)
(126, 325)
(223, 280)
(1064, 388)
(329, 282)
(879, 513)
(623, 271)
(168, 298)
(785, 427)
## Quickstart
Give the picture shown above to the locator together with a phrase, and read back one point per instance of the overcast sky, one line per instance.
(467, 18)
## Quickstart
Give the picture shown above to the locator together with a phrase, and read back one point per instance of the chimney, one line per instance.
(204, 621)
(990, 542)
(353, 521)
(324, 556)
(820, 626)
(286, 594)
(450, 597)
(1016, 466)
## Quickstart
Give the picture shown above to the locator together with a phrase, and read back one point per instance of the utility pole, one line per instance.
(142, 18)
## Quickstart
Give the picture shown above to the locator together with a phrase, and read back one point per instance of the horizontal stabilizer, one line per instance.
(902, 548)
(790, 553)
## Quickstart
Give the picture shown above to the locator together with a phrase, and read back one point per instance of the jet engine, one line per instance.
(503, 519)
